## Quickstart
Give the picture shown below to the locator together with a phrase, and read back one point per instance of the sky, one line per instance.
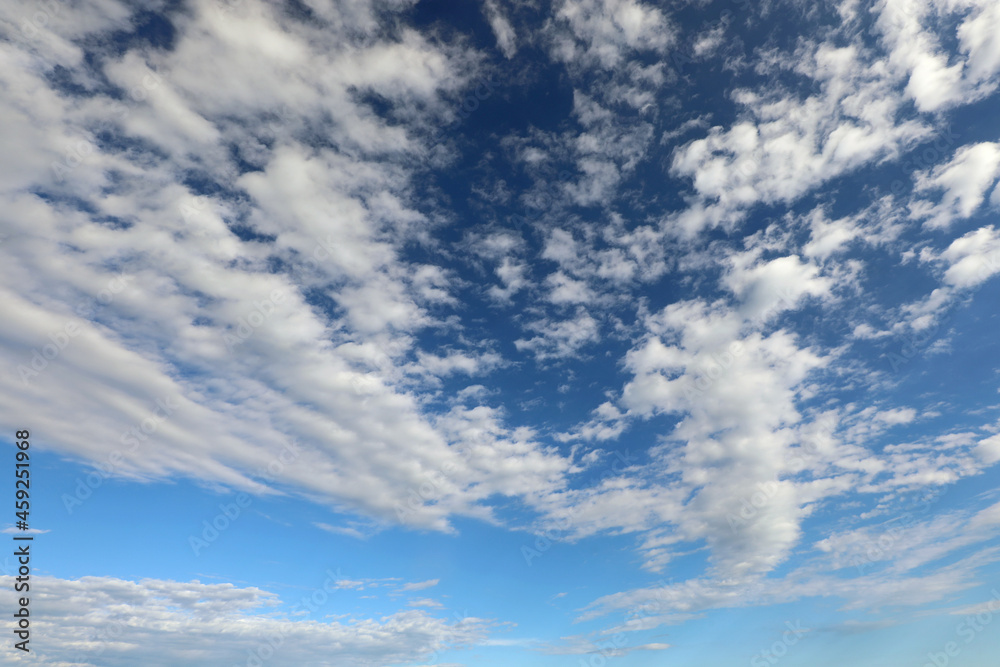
(503, 332)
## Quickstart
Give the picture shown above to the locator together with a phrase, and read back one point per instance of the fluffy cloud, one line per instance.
(108, 621)
(606, 31)
(972, 258)
(933, 79)
(207, 253)
(784, 145)
(763, 286)
(968, 261)
(561, 339)
(502, 30)
(964, 180)
(878, 566)
(736, 396)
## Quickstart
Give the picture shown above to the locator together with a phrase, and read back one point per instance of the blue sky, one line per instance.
(504, 332)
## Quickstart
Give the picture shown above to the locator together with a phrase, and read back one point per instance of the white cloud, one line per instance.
(502, 30)
(513, 275)
(765, 287)
(709, 41)
(910, 540)
(988, 449)
(559, 339)
(973, 258)
(740, 441)
(896, 416)
(783, 144)
(302, 331)
(596, 645)
(829, 236)
(934, 79)
(426, 603)
(17, 531)
(107, 621)
(735, 395)
(340, 530)
(605, 31)
(965, 180)
(459, 362)
(876, 586)
(566, 290)
(420, 586)
(605, 152)
(970, 260)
